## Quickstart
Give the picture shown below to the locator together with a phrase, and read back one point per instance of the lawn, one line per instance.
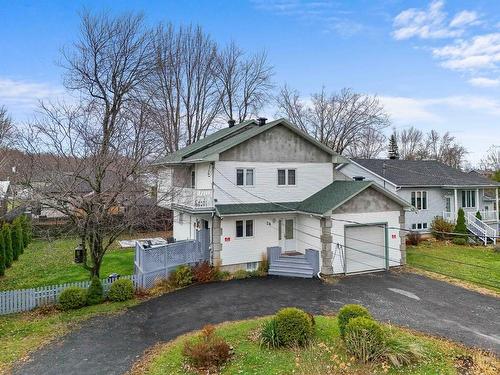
(23, 333)
(474, 264)
(51, 262)
(326, 355)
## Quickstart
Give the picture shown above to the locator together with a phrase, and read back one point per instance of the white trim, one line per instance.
(368, 170)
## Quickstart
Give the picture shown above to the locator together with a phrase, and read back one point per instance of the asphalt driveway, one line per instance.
(110, 344)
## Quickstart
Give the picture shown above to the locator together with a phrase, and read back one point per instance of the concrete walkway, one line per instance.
(109, 345)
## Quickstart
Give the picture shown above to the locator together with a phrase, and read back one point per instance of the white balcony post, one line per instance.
(477, 199)
(497, 208)
(455, 195)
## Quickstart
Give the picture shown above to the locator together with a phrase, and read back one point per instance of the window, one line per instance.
(289, 229)
(244, 177)
(281, 176)
(419, 226)
(419, 200)
(468, 198)
(193, 179)
(181, 217)
(286, 177)
(244, 228)
(252, 266)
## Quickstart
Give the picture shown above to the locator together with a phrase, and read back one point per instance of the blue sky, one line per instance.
(434, 64)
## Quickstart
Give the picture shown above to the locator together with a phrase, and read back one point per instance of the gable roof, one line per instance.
(209, 150)
(327, 199)
(421, 173)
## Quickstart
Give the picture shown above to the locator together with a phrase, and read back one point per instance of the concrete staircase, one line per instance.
(291, 266)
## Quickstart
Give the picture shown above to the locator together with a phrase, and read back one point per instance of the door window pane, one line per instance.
(291, 177)
(249, 228)
(280, 223)
(281, 177)
(239, 228)
(289, 229)
(473, 198)
(249, 180)
(239, 177)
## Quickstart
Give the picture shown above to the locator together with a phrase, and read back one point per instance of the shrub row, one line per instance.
(74, 297)
(13, 240)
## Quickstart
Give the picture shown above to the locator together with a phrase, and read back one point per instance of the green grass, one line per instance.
(23, 333)
(51, 262)
(325, 356)
(482, 268)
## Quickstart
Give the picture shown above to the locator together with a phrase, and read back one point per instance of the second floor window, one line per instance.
(193, 179)
(468, 198)
(244, 177)
(419, 200)
(286, 177)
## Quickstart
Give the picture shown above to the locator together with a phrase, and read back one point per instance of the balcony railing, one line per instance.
(194, 198)
(489, 215)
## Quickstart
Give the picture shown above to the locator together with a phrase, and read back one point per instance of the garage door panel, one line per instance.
(365, 248)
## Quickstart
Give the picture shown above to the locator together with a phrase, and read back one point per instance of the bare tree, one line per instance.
(369, 145)
(491, 161)
(6, 134)
(409, 143)
(343, 120)
(244, 82)
(183, 85)
(88, 158)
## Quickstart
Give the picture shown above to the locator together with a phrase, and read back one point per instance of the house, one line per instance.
(259, 185)
(434, 189)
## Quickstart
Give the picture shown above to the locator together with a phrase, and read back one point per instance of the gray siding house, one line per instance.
(434, 189)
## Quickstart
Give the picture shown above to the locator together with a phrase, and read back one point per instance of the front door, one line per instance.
(286, 234)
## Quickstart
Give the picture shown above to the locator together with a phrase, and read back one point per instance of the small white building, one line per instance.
(258, 185)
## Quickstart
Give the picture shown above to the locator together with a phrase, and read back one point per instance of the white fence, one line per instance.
(13, 301)
(157, 262)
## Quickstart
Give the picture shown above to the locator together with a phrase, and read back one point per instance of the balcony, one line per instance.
(195, 199)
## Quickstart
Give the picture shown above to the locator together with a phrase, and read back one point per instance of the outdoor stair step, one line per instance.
(293, 259)
(291, 268)
(278, 263)
(288, 273)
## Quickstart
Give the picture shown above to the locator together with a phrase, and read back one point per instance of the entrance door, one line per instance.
(286, 234)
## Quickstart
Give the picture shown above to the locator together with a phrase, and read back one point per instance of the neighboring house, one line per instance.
(434, 189)
(257, 185)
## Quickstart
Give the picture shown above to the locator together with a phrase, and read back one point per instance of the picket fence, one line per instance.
(13, 301)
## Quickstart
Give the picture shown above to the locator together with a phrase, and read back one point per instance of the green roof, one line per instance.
(327, 199)
(178, 156)
(208, 148)
(255, 208)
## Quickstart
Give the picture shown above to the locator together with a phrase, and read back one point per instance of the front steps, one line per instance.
(291, 266)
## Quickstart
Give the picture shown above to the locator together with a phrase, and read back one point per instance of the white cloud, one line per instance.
(479, 52)
(21, 97)
(432, 22)
(408, 110)
(328, 15)
(484, 82)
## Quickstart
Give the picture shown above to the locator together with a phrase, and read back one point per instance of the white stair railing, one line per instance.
(480, 228)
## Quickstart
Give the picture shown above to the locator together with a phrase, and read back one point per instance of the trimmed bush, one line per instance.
(95, 292)
(121, 290)
(208, 350)
(182, 276)
(294, 327)
(478, 215)
(2, 256)
(459, 241)
(349, 312)
(460, 227)
(203, 272)
(269, 334)
(364, 339)
(441, 227)
(17, 239)
(7, 239)
(72, 298)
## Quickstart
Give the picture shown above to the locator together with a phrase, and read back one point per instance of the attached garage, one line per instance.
(365, 248)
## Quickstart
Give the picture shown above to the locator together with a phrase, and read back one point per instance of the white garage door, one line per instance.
(365, 248)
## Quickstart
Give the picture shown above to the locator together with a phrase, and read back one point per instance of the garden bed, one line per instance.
(325, 355)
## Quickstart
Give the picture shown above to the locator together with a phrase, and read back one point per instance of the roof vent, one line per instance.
(231, 123)
(358, 178)
(261, 121)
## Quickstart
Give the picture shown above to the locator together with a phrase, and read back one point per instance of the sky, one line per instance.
(433, 64)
